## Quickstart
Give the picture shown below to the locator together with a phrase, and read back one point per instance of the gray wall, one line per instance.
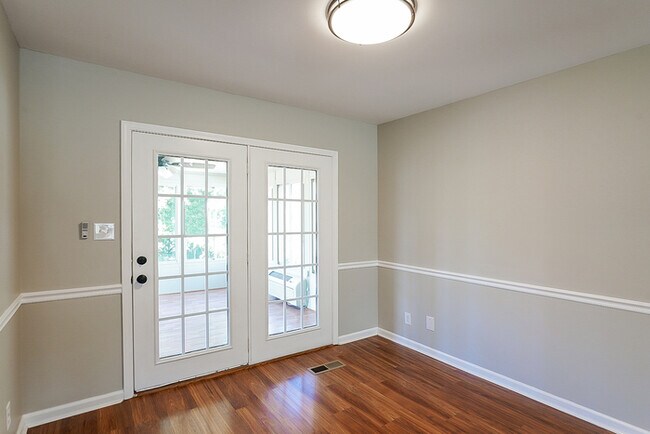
(8, 163)
(69, 172)
(8, 219)
(81, 358)
(545, 182)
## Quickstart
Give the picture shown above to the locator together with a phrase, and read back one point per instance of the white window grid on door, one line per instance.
(181, 197)
(305, 295)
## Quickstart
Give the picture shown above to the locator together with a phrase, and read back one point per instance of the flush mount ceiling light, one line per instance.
(368, 22)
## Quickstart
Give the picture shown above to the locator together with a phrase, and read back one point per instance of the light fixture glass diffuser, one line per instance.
(368, 22)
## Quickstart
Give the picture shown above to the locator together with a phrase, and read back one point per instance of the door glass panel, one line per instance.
(169, 298)
(218, 329)
(194, 208)
(309, 216)
(193, 290)
(172, 344)
(194, 283)
(276, 317)
(310, 281)
(169, 175)
(292, 249)
(169, 257)
(275, 216)
(310, 312)
(293, 210)
(293, 282)
(309, 184)
(293, 184)
(276, 183)
(216, 281)
(276, 284)
(217, 178)
(309, 249)
(217, 254)
(217, 299)
(169, 215)
(276, 250)
(194, 261)
(194, 176)
(293, 315)
(217, 216)
(195, 333)
(195, 301)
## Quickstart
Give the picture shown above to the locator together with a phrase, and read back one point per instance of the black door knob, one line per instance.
(141, 260)
(141, 279)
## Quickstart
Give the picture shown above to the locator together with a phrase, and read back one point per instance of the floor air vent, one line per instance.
(329, 366)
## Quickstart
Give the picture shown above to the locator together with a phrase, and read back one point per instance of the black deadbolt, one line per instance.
(141, 279)
(141, 260)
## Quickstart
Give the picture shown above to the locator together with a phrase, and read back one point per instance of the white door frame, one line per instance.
(128, 128)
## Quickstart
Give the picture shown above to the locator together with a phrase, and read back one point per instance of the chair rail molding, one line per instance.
(56, 295)
(9, 312)
(545, 291)
(357, 265)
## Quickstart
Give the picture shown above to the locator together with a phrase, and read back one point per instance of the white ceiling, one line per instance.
(282, 51)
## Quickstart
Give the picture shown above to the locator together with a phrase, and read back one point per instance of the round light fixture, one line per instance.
(368, 22)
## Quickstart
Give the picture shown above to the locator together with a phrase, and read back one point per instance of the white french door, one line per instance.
(292, 240)
(190, 306)
(232, 255)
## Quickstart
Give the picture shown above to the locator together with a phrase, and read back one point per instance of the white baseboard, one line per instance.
(564, 405)
(356, 336)
(48, 415)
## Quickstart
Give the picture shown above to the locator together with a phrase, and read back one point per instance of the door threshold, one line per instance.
(214, 375)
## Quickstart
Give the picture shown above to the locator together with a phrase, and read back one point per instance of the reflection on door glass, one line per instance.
(217, 216)
(217, 254)
(169, 215)
(292, 249)
(217, 178)
(169, 298)
(194, 208)
(169, 174)
(192, 269)
(194, 176)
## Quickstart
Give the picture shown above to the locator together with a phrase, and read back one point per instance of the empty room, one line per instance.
(341, 216)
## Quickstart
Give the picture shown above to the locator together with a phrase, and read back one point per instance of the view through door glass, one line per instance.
(192, 226)
(292, 303)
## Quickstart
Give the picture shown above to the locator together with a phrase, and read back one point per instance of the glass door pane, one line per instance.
(292, 302)
(192, 285)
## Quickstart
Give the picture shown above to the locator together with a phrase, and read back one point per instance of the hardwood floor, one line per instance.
(384, 387)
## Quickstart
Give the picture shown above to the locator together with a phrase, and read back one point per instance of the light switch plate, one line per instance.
(104, 231)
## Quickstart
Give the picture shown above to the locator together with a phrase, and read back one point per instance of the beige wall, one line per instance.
(9, 390)
(9, 372)
(545, 182)
(8, 163)
(70, 150)
(69, 172)
(359, 308)
(81, 359)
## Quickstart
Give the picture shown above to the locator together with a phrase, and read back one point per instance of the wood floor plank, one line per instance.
(384, 387)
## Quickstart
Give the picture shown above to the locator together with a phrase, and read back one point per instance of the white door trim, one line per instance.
(127, 129)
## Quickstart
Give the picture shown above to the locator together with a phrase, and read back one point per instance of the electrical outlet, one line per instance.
(8, 415)
(407, 318)
(431, 325)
